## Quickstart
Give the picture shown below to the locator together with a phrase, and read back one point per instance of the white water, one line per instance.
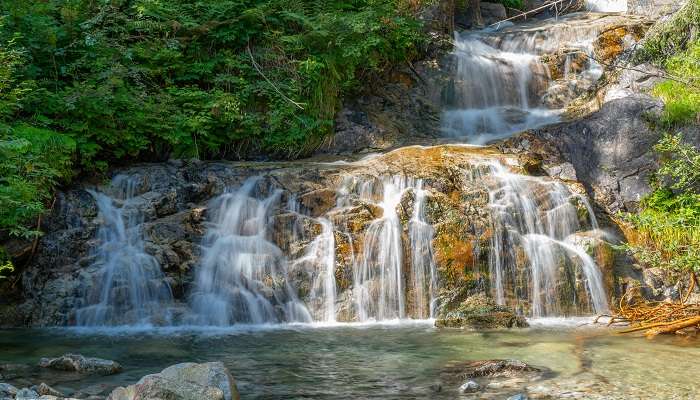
(539, 216)
(502, 84)
(606, 5)
(243, 275)
(131, 289)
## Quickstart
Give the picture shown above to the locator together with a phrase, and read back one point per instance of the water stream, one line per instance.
(131, 288)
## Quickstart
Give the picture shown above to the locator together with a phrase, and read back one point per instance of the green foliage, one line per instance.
(672, 36)
(682, 99)
(516, 4)
(666, 233)
(85, 84)
(6, 268)
(150, 79)
(32, 162)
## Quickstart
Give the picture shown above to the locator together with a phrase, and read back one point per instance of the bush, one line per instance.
(145, 79)
(666, 233)
(682, 99)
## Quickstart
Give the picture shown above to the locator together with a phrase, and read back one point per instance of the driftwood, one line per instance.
(656, 317)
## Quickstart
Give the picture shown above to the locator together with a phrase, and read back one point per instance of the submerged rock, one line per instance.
(498, 369)
(26, 394)
(469, 387)
(186, 381)
(44, 389)
(7, 391)
(81, 364)
(480, 312)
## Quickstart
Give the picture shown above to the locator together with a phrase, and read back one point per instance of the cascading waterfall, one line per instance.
(539, 218)
(502, 80)
(320, 261)
(385, 287)
(131, 287)
(424, 276)
(606, 5)
(243, 275)
(379, 283)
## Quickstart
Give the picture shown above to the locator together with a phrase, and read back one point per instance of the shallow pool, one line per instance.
(400, 360)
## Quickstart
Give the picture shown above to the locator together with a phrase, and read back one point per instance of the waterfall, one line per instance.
(539, 218)
(422, 257)
(242, 277)
(606, 5)
(503, 83)
(131, 289)
(320, 261)
(385, 286)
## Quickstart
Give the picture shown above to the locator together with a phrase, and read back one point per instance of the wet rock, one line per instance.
(93, 390)
(518, 396)
(12, 371)
(81, 364)
(493, 12)
(44, 389)
(616, 39)
(26, 394)
(498, 369)
(469, 387)
(186, 381)
(480, 312)
(7, 391)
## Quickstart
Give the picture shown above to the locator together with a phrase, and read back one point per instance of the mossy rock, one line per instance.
(480, 312)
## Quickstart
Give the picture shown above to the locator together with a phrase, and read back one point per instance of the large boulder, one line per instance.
(186, 381)
(81, 364)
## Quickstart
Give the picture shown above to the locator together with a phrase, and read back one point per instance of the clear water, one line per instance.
(375, 361)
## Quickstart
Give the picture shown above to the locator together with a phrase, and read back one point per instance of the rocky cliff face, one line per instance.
(173, 199)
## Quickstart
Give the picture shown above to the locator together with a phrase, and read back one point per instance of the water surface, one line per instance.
(372, 361)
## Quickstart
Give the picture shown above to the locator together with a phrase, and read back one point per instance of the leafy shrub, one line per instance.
(666, 233)
(682, 99)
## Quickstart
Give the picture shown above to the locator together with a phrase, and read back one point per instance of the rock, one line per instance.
(7, 391)
(81, 364)
(498, 369)
(44, 389)
(12, 371)
(469, 387)
(610, 150)
(158, 387)
(186, 381)
(26, 394)
(492, 13)
(479, 312)
(213, 374)
(518, 396)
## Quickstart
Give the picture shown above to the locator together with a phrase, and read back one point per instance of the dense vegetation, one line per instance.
(674, 45)
(88, 83)
(667, 230)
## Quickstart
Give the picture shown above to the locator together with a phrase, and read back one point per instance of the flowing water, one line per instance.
(243, 275)
(540, 217)
(504, 79)
(131, 289)
(404, 361)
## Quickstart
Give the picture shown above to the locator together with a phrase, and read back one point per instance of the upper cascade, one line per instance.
(512, 78)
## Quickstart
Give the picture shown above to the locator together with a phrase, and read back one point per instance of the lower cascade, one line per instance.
(268, 257)
(131, 288)
(534, 257)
